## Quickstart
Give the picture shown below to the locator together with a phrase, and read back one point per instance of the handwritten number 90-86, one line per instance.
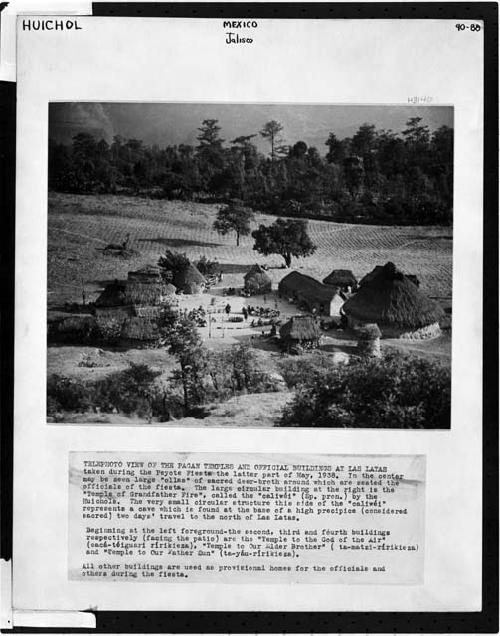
(470, 27)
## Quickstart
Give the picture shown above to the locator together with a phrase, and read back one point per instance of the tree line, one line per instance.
(375, 176)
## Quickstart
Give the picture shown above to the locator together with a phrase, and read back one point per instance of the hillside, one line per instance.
(80, 226)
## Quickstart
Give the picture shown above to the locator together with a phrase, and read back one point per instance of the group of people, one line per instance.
(262, 312)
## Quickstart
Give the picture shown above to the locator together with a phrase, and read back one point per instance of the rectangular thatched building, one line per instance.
(311, 295)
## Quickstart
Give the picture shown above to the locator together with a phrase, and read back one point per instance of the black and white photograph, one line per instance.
(250, 265)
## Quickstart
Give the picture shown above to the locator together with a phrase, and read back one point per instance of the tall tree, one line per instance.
(415, 133)
(84, 161)
(209, 134)
(272, 131)
(337, 149)
(210, 151)
(172, 263)
(286, 237)
(353, 173)
(298, 150)
(234, 217)
(179, 334)
(364, 140)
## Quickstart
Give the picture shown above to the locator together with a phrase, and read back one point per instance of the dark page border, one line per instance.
(485, 621)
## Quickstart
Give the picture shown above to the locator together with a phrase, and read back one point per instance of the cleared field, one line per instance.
(81, 226)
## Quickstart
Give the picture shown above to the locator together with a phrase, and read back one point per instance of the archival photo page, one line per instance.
(248, 316)
(250, 265)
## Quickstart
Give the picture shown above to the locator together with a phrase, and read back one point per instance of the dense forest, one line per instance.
(375, 176)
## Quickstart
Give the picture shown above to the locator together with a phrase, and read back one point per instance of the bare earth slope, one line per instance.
(81, 226)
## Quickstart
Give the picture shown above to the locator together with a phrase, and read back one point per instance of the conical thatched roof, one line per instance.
(390, 298)
(112, 296)
(300, 328)
(340, 278)
(258, 278)
(189, 279)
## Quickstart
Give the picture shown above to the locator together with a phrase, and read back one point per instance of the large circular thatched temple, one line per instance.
(395, 303)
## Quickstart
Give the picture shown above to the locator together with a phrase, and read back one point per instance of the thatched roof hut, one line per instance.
(342, 278)
(300, 329)
(307, 291)
(307, 286)
(257, 281)
(145, 286)
(189, 280)
(396, 304)
(113, 295)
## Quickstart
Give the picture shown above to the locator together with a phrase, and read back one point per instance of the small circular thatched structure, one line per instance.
(342, 278)
(190, 280)
(257, 281)
(369, 340)
(396, 304)
(300, 330)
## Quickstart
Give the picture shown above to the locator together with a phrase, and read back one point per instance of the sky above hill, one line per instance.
(178, 123)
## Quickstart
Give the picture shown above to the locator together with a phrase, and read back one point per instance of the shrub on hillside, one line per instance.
(296, 371)
(128, 391)
(207, 267)
(74, 329)
(172, 263)
(66, 394)
(397, 391)
(132, 391)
